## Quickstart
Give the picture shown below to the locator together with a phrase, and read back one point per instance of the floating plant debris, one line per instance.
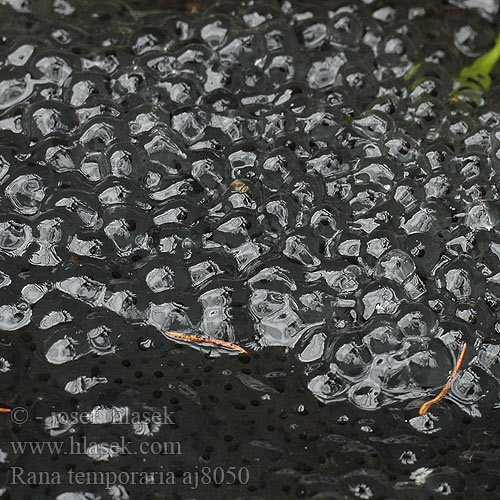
(427, 405)
(205, 340)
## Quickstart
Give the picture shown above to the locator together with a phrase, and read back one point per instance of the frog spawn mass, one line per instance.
(270, 175)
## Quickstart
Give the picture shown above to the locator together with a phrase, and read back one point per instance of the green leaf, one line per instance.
(476, 77)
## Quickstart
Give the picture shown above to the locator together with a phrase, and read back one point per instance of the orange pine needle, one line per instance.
(5, 410)
(199, 338)
(425, 407)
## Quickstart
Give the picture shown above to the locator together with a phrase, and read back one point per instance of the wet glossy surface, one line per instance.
(268, 175)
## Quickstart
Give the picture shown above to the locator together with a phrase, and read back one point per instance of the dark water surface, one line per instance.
(276, 177)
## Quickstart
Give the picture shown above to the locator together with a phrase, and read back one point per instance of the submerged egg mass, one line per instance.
(274, 176)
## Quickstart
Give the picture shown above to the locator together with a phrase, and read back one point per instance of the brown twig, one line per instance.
(5, 410)
(425, 407)
(199, 338)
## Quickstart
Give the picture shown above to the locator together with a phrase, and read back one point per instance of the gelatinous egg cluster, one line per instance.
(261, 173)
